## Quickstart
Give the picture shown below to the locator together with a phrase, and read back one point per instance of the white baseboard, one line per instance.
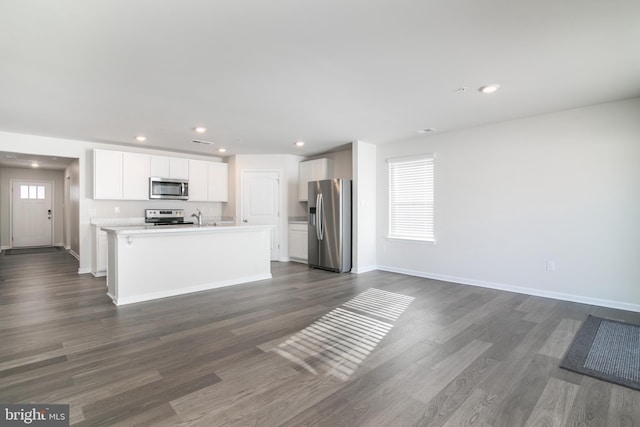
(517, 289)
(364, 269)
(188, 290)
(99, 274)
(75, 255)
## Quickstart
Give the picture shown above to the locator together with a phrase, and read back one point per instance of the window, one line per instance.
(411, 198)
(32, 192)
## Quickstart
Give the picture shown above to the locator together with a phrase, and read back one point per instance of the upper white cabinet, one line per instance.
(312, 170)
(169, 167)
(198, 180)
(218, 182)
(135, 176)
(120, 175)
(107, 174)
(208, 181)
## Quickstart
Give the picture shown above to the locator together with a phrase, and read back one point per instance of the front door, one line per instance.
(32, 214)
(261, 203)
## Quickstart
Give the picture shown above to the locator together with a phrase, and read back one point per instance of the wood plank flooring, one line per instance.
(456, 355)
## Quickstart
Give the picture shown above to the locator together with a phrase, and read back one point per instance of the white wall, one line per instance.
(510, 196)
(364, 207)
(72, 207)
(54, 176)
(87, 207)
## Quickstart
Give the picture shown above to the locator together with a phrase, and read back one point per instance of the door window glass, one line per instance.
(32, 192)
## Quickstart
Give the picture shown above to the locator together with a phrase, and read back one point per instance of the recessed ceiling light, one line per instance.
(200, 129)
(222, 150)
(427, 130)
(34, 165)
(489, 88)
(299, 143)
(141, 138)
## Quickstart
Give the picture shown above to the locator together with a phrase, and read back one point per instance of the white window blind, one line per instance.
(411, 198)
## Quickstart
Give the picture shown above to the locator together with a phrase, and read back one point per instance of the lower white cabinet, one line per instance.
(298, 238)
(99, 267)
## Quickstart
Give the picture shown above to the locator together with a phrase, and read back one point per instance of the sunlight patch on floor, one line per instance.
(338, 342)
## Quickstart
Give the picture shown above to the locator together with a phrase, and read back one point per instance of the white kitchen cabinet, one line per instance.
(135, 176)
(218, 174)
(312, 170)
(298, 240)
(120, 175)
(208, 181)
(198, 180)
(99, 267)
(169, 167)
(107, 174)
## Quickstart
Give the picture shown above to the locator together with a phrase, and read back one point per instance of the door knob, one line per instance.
(244, 220)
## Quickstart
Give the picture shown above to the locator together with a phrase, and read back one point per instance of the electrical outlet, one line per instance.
(551, 265)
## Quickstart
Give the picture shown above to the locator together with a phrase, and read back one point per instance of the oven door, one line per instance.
(167, 188)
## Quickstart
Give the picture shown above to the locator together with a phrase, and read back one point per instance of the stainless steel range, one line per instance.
(165, 217)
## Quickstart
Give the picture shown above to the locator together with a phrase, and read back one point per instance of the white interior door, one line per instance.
(261, 203)
(32, 214)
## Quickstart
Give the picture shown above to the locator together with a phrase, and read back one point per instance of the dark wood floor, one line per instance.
(456, 355)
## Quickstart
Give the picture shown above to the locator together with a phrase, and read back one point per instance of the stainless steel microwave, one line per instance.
(168, 188)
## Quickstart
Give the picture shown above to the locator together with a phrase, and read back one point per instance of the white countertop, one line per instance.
(116, 222)
(175, 229)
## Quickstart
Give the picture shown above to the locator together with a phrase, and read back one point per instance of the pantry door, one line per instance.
(32, 214)
(261, 203)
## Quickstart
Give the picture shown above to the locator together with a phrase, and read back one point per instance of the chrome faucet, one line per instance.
(199, 216)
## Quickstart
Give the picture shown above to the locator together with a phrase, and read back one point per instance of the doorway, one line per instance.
(261, 204)
(31, 213)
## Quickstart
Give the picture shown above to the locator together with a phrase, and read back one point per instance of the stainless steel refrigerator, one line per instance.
(329, 209)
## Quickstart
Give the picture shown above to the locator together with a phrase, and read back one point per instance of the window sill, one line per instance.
(418, 241)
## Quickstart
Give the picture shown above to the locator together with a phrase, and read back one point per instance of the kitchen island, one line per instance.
(150, 262)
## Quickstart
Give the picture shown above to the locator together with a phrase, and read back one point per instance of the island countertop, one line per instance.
(166, 229)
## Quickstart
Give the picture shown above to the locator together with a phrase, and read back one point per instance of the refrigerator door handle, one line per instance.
(319, 217)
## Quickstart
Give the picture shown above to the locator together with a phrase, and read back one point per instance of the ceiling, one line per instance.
(261, 75)
(17, 160)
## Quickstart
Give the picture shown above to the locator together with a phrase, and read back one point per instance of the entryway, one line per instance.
(31, 213)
